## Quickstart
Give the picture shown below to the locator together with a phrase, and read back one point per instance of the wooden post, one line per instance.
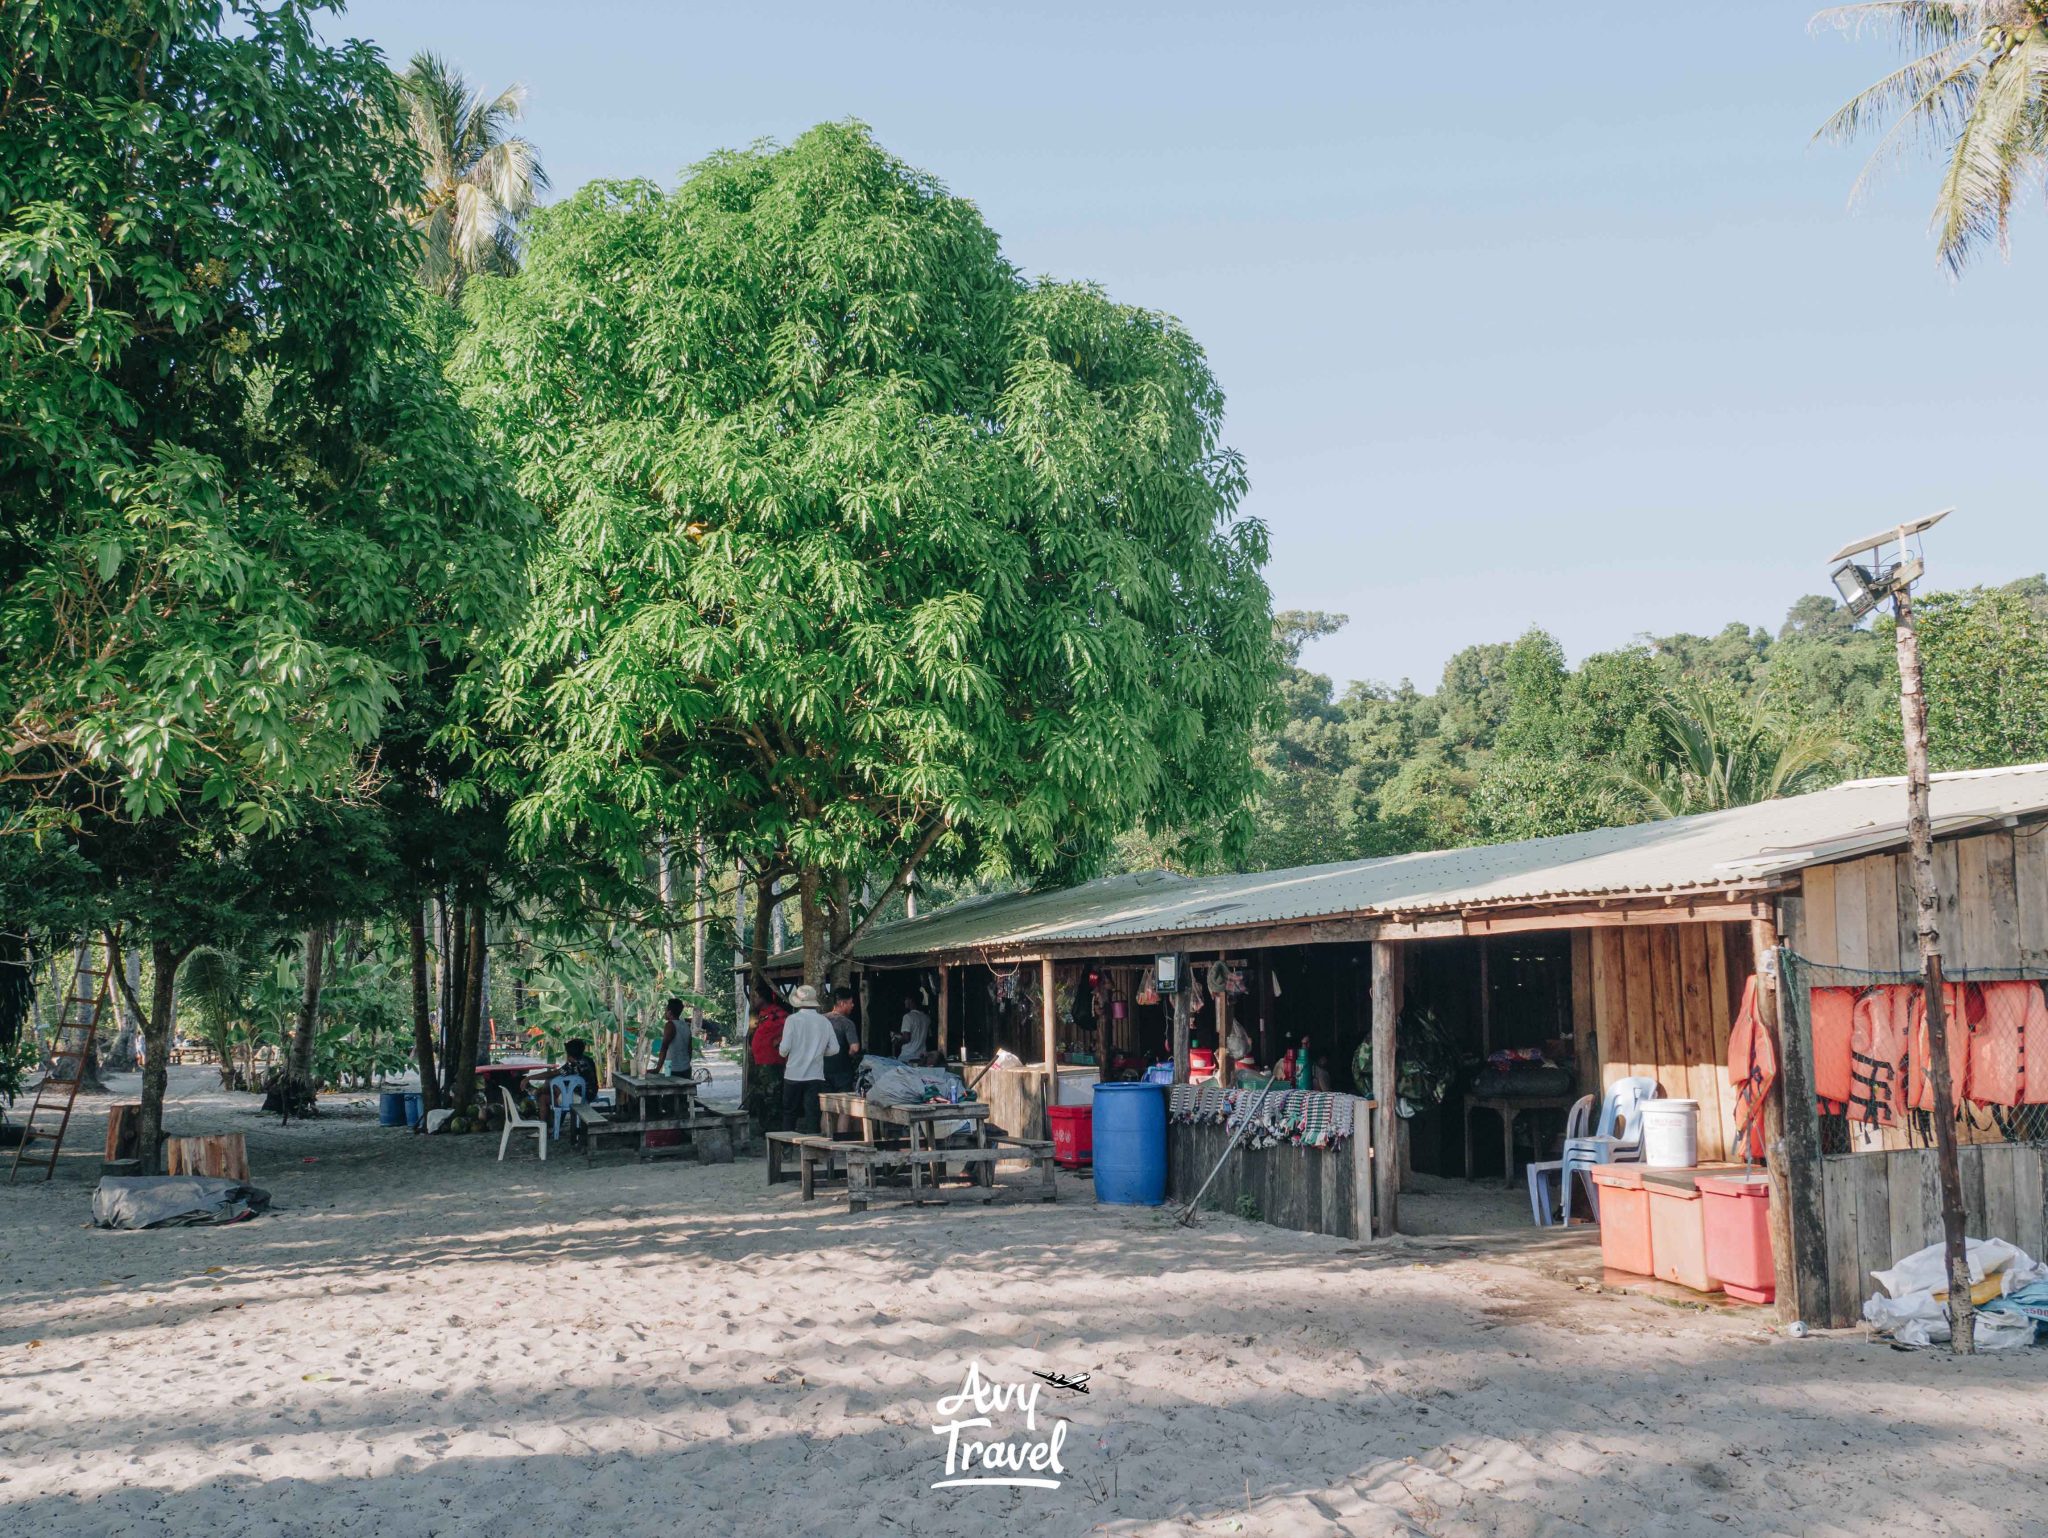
(1485, 1001)
(1799, 1248)
(223, 1155)
(945, 1012)
(1180, 1021)
(867, 1036)
(1927, 897)
(1048, 1009)
(1386, 1140)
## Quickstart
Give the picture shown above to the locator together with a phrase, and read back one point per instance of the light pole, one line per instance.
(1865, 579)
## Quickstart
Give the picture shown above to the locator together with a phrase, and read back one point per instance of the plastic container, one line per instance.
(1737, 1212)
(1130, 1144)
(1624, 1219)
(1073, 1134)
(391, 1108)
(415, 1108)
(1678, 1229)
(1671, 1133)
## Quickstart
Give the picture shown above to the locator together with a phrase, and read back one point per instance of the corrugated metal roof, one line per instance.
(1707, 853)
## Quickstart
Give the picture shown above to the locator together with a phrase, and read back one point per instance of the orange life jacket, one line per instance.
(1833, 1013)
(1965, 1011)
(1752, 1065)
(1877, 1055)
(2014, 1026)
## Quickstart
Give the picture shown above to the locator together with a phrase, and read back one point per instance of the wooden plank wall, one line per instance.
(1310, 1190)
(1663, 998)
(1881, 1207)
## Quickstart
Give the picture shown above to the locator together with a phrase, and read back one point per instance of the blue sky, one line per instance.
(1526, 314)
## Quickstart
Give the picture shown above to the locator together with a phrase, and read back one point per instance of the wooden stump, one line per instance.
(221, 1154)
(124, 1124)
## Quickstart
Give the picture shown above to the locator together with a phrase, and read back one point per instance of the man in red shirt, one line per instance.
(764, 1049)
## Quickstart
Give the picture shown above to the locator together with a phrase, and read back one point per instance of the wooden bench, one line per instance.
(865, 1165)
(715, 1136)
(811, 1151)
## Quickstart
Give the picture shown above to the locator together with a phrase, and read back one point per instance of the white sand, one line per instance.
(423, 1341)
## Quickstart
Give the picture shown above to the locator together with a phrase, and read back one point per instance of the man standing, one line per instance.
(675, 1043)
(914, 1035)
(808, 1039)
(839, 1074)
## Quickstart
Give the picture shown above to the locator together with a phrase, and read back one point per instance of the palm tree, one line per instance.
(1975, 90)
(480, 179)
(1712, 755)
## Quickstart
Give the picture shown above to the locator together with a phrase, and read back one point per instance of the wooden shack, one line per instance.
(1618, 952)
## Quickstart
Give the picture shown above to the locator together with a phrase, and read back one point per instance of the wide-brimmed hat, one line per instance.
(804, 997)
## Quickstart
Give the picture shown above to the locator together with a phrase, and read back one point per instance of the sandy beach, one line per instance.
(420, 1340)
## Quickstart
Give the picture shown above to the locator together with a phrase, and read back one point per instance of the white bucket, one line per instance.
(1671, 1133)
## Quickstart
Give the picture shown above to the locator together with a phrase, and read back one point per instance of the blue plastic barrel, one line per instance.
(415, 1108)
(391, 1108)
(1130, 1144)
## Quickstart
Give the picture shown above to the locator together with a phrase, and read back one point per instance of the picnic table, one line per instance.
(654, 1102)
(1508, 1108)
(913, 1123)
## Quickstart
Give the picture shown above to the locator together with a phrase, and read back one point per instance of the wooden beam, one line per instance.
(1180, 1022)
(1799, 1242)
(1485, 1002)
(945, 1012)
(1386, 1142)
(1048, 1010)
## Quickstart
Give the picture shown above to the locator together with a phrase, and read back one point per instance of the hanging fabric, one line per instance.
(1752, 1068)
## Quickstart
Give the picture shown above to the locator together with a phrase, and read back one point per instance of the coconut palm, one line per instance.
(1713, 754)
(1975, 90)
(480, 179)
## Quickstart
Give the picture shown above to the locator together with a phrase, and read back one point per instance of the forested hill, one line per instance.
(1513, 743)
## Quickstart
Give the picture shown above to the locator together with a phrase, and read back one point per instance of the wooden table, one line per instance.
(1508, 1107)
(654, 1102)
(914, 1121)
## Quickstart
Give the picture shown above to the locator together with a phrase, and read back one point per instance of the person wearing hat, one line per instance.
(808, 1038)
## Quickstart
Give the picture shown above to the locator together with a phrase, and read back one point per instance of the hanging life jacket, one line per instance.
(1833, 1015)
(2014, 1027)
(1965, 1011)
(1877, 1055)
(1752, 1068)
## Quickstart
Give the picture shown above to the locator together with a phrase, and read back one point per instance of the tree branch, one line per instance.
(896, 884)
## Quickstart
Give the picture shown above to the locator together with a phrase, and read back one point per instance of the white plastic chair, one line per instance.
(1542, 1201)
(565, 1090)
(514, 1122)
(1618, 1139)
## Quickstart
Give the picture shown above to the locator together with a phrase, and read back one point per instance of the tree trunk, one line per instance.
(746, 961)
(300, 1067)
(697, 925)
(422, 1015)
(164, 961)
(839, 927)
(120, 1054)
(665, 878)
(817, 942)
(472, 1011)
(1927, 896)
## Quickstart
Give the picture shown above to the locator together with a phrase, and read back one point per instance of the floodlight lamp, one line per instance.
(1858, 587)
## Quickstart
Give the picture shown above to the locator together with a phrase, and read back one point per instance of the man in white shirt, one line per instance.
(915, 1035)
(808, 1038)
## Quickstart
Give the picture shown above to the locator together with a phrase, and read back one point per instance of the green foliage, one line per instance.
(238, 508)
(1974, 90)
(1984, 666)
(480, 179)
(859, 545)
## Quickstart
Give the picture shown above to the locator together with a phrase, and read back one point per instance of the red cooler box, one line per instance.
(1736, 1210)
(1624, 1218)
(1073, 1135)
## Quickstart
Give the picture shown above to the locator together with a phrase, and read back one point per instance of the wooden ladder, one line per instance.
(78, 1027)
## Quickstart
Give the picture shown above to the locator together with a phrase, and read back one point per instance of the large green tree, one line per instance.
(237, 504)
(864, 551)
(241, 512)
